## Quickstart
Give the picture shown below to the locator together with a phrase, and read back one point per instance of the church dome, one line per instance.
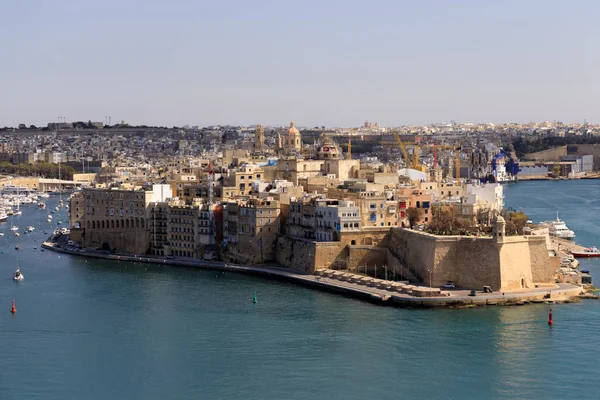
(292, 131)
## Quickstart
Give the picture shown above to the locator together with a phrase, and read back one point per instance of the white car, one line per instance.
(449, 285)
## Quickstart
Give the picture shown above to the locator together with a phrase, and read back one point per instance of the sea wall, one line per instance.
(135, 241)
(508, 263)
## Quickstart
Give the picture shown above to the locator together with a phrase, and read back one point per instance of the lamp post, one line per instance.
(430, 279)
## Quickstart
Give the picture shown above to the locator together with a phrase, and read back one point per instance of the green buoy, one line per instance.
(254, 300)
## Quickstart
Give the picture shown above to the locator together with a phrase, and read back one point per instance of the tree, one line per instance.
(32, 127)
(22, 126)
(556, 170)
(515, 221)
(413, 214)
(450, 222)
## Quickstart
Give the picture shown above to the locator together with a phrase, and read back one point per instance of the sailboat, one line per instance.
(18, 200)
(18, 276)
(12, 224)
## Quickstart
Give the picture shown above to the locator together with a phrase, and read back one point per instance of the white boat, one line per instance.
(30, 228)
(14, 228)
(17, 234)
(18, 276)
(1, 233)
(49, 216)
(558, 229)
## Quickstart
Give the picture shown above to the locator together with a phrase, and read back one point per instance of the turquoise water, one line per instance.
(88, 329)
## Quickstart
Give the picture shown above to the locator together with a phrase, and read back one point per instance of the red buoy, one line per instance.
(13, 309)
(550, 322)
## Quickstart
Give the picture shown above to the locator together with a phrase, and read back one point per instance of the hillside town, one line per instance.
(309, 199)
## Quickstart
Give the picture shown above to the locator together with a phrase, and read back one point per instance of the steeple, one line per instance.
(259, 137)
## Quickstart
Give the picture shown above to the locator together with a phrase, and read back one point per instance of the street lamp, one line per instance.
(430, 279)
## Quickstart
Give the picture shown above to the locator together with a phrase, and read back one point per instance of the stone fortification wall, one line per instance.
(470, 262)
(399, 269)
(508, 264)
(306, 255)
(542, 265)
(515, 263)
(364, 258)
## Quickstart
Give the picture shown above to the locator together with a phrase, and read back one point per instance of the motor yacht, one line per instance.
(558, 228)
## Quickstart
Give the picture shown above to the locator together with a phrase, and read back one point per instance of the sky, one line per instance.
(319, 63)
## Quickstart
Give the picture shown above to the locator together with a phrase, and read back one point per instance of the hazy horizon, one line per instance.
(319, 63)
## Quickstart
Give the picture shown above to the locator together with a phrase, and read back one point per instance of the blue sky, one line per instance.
(332, 63)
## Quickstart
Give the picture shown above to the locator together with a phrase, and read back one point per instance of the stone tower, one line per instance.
(499, 229)
(293, 139)
(259, 137)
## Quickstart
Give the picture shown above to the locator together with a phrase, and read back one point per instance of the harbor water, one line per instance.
(94, 329)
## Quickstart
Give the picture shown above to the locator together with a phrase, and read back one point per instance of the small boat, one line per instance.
(585, 271)
(18, 276)
(49, 216)
(14, 228)
(17, 234)
(30, 228)
(42, 206)
(17, 212)
(587, 252)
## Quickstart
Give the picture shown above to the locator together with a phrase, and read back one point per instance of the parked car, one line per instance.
(473, 293)
(449, 285)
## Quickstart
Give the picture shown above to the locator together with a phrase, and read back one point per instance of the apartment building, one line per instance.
(251, 228)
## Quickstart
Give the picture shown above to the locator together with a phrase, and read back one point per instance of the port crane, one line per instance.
(415, 158)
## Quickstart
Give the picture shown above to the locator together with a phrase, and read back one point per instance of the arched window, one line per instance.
(142, 223)
(112, 223)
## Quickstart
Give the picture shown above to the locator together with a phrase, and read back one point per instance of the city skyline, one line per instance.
(329, 63)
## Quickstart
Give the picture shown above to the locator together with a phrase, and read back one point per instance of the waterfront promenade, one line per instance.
(377, 291)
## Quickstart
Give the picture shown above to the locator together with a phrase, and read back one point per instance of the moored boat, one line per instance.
(558, 228)
(587, 252)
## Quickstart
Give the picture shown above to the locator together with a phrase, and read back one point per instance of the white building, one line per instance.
(334, 216)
